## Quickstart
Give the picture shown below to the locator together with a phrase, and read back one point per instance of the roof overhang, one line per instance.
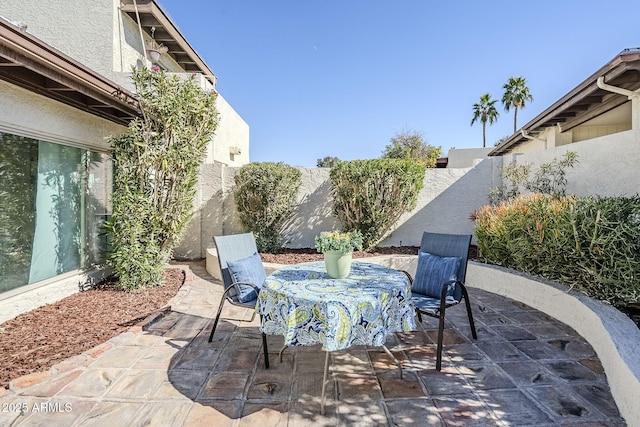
(28, 62)
(165, 32)
(585, 102)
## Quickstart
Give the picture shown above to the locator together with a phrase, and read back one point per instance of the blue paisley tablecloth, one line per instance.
(308, 307)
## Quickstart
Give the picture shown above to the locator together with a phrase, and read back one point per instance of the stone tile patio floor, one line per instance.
(524, 369)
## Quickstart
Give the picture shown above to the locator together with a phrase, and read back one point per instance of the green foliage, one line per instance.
(265, 195)
(18, 169)
(327, 162)
(516, 95)
(550, 179)
(338, 241)
(410, 145)
(156, 166)
(517, 176)
(371, 195)
(485, 111)
(592, 244)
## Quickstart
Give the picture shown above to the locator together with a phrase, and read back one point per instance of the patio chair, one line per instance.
(439, 281)
(242, 275)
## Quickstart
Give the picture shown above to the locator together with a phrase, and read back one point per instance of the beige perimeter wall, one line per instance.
(608, 166)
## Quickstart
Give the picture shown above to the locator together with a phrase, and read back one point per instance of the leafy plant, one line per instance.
(327, 162)
(410, 145)
(592, 243)
(265, 195)
(549, 178)
(516, 95)
(338, 241)
(517, 176)
(485, 111)
(156, 166)
(371, 195)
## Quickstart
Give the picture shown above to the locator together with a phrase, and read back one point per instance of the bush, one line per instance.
(549, 178)
(592, 244)
(607, 233)
(156, 166)
(265, 195)
(371, 195)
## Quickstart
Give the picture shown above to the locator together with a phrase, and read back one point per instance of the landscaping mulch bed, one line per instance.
(37, 340)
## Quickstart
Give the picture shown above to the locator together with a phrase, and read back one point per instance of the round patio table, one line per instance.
(306, 306)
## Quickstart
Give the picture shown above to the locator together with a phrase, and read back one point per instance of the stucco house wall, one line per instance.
(608, 165)
(98, 35)
(35, 116)
(466, 157)
(231, 141)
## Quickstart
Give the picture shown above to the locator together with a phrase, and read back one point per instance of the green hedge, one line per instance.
(371, 195)
(591, 244)
(265, 195)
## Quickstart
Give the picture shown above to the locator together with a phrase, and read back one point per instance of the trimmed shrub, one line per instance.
(156, 166)
(265, 195)
(592, 244)
(371, 195)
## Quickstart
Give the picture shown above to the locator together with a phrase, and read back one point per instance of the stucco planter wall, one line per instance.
(613, 336)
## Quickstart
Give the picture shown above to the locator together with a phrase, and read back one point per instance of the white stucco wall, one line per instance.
(28, 114)
(445, 203)
(466, 157)
(608, 165)
(232, 131)
(80, 29)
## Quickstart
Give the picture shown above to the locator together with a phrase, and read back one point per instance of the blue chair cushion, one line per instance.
(434, 272)
(249, 270)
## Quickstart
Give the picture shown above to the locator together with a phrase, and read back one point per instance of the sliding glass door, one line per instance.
(53, 199)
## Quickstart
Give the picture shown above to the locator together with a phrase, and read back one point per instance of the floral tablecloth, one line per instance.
(308, 307)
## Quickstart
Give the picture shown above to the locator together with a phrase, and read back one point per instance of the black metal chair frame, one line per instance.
(247, 244)
(431, 243)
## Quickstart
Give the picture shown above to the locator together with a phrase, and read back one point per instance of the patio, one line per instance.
(525, 369)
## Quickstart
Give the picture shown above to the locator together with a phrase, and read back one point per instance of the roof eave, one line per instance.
(628, 59)
(43, 69)
(151, 7)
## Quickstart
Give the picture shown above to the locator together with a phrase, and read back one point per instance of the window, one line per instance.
(53, 200)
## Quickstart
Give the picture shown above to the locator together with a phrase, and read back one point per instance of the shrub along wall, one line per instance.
(447, 199)
(589, 243)
(444, 204)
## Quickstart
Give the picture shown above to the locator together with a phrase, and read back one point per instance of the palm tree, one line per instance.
(516, 94)
(485, 111)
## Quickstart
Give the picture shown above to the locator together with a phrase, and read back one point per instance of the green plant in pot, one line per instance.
(337, 248)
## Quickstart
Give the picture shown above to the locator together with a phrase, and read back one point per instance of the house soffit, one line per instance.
(585, 102)
(165, 32)
(28, 62)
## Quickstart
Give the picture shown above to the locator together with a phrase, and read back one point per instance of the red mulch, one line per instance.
(41, 338)
(294, 256)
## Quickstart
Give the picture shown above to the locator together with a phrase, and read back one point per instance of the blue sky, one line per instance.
(316, 78)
